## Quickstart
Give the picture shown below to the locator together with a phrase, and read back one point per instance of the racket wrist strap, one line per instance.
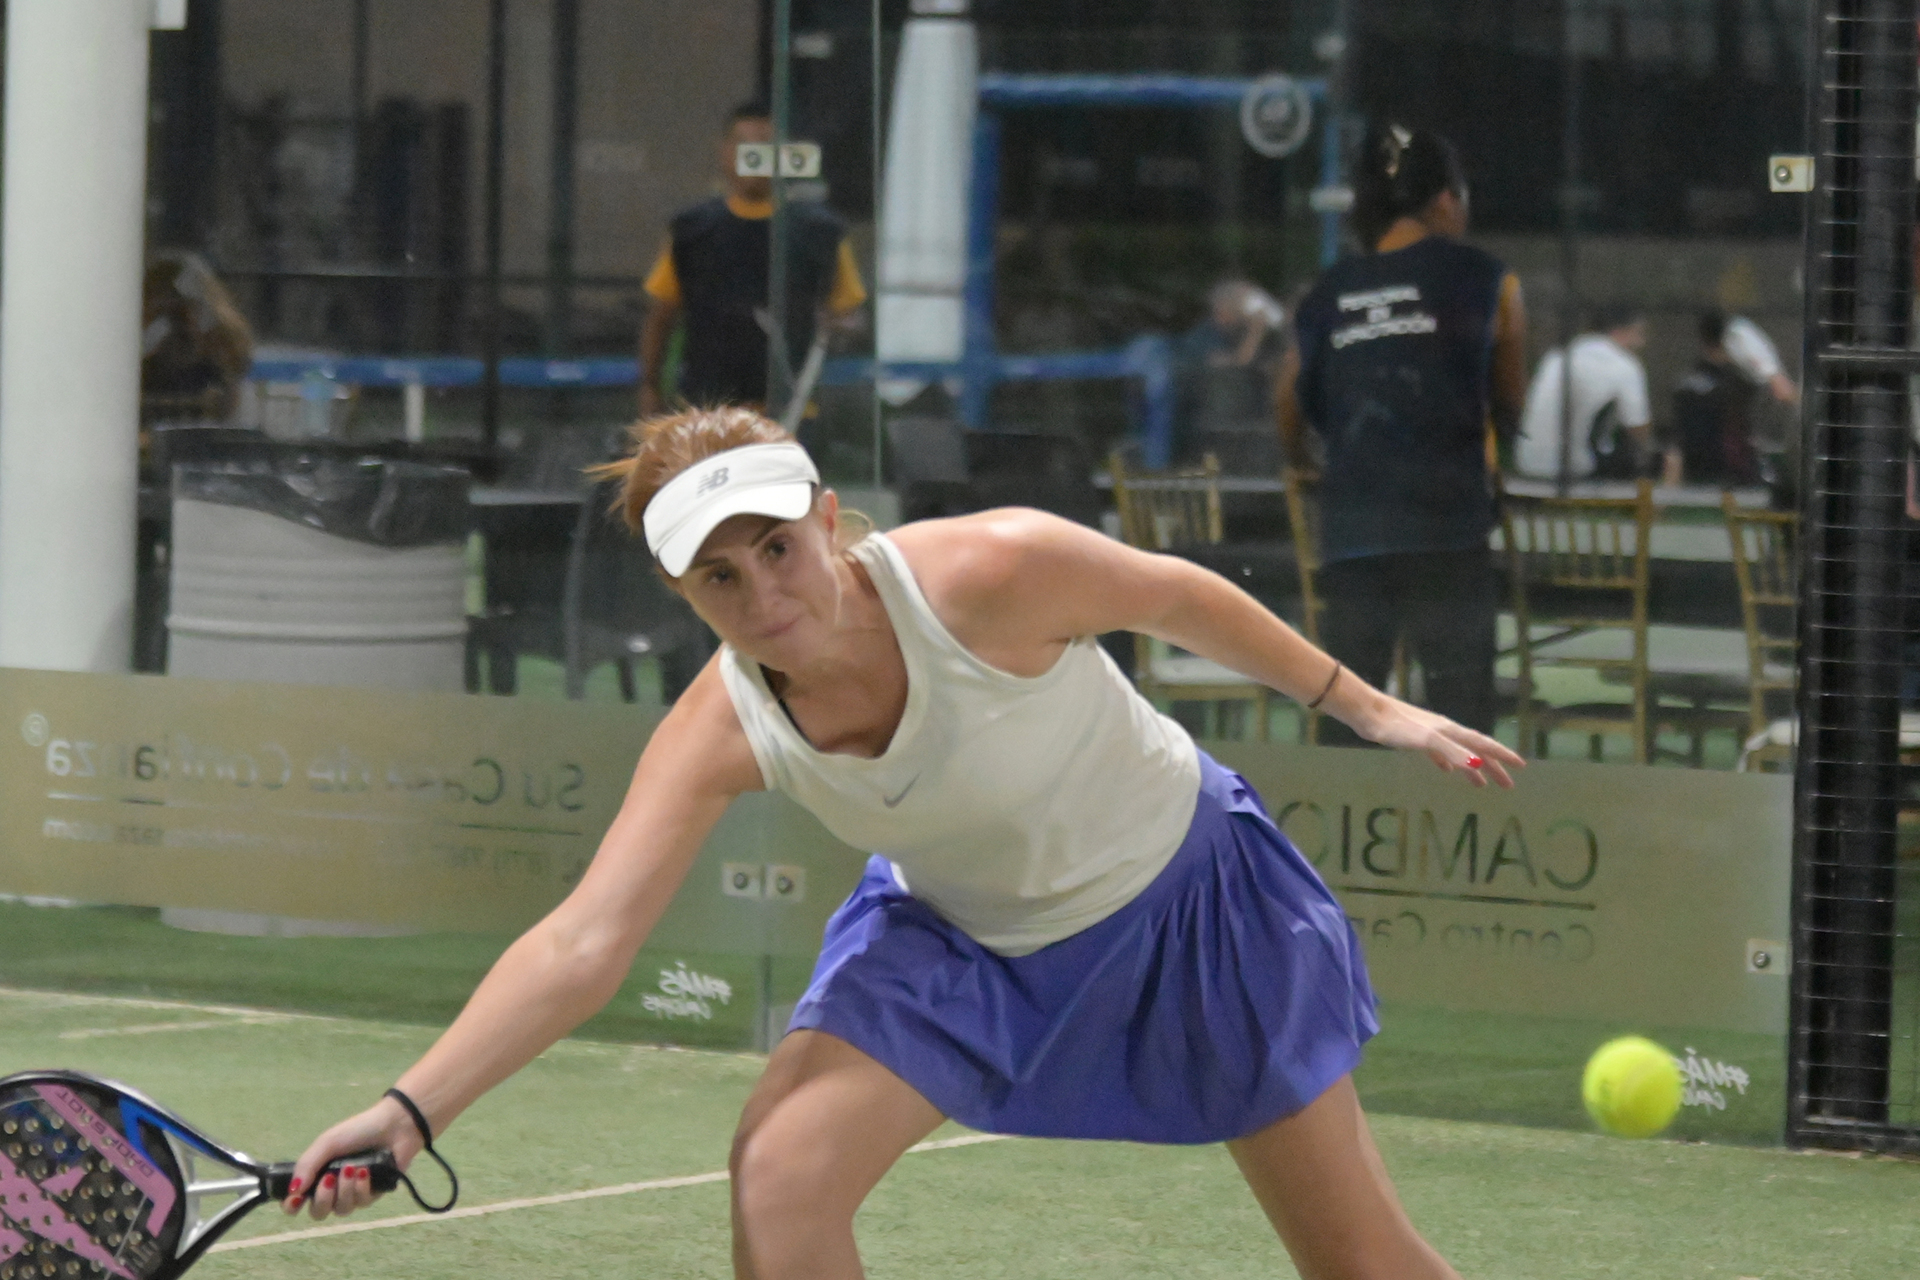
(419, 1119)
(414, 1113)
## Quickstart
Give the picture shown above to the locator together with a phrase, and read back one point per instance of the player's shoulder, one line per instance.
(960, 559)
(703, 736)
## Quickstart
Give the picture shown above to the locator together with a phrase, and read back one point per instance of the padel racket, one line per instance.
(98, 1180)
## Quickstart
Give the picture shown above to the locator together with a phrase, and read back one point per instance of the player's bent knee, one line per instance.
(773, 1180)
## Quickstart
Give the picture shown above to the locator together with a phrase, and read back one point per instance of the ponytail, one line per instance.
(1398, 173)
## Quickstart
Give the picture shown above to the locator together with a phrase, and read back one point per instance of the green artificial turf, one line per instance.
(423, 978)
(1469, 1066)
(1500, 1201)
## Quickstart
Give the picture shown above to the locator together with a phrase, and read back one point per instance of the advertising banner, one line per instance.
(1657, 895)
(1507, 932)
(418, 810)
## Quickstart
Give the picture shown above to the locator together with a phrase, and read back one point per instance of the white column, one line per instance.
(921, 311)
(76, 148)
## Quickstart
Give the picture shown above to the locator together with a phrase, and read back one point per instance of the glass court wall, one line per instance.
(1067, 253)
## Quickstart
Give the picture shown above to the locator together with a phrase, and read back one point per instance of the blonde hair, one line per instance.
(666, 445)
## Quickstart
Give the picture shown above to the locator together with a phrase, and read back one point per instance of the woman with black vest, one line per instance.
(1408, 361)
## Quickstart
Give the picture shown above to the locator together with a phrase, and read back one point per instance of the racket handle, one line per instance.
(382, 1172)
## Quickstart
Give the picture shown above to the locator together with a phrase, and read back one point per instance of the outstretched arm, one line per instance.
(566, 967)
(1017, 586)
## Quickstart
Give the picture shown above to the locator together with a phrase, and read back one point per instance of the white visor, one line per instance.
(775, 480)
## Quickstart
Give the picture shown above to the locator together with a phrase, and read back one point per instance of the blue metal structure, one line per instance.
(1147, 360)
(449, 371)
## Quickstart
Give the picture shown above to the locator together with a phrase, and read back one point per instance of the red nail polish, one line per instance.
(327, 1182)
(297, 1201)
(1474, 762)
(297, 1184)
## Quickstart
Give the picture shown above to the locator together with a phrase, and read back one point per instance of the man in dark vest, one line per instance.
(712, 275)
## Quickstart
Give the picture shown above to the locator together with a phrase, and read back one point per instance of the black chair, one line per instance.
(927, 464)
(528, 549)
(616, 608)
(559, 453)
(1028, 469)
(526, 564)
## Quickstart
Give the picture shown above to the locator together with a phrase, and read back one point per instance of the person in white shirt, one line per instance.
(1754, 354)
(1775, 430)
(1612, 414)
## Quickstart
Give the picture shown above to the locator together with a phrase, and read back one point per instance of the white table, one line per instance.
(1664, 495)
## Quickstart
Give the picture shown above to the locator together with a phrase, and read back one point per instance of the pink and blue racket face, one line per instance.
(89, 1184)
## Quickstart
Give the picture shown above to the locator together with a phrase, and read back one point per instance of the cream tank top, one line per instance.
(1022, 809)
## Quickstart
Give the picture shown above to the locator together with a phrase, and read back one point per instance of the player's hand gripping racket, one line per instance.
(97, 1180)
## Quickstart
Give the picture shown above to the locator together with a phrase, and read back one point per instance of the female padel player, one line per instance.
(1079, 926)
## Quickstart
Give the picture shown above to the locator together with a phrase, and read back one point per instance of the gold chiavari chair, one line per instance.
(1163, 511)
(1580, 567)
(1763, 565)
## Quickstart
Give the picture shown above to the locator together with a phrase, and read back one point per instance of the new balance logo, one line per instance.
(711, 482)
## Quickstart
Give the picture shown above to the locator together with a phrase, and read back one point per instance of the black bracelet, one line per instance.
(1338, 667)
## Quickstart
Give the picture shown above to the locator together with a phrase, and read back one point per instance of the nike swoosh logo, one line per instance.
(894, 801)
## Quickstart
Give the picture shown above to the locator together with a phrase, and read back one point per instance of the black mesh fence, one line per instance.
(1852, 1073)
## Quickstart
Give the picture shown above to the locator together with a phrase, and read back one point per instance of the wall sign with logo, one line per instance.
(434, 811)
(1605, 891)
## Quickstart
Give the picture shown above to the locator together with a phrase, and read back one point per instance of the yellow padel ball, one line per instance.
(1632, 1087)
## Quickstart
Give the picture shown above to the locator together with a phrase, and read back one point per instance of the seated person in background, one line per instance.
(1611, 414)
(1775, 426)
(1752, 353)
(195, 346)
(1226, 368)
(1712, 417)
(1241, 317)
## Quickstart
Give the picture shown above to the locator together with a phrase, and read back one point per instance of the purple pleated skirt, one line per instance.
(1229, 994)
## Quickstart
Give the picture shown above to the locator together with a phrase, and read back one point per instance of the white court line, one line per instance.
(534, 1202)
(1447, 1082)
(150, 1028)
(61, 999)
(377, 1027)
(358, 1026)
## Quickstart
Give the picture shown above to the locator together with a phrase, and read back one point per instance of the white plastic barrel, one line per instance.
(259, 597)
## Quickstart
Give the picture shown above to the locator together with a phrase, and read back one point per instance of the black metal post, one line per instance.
(183, 170)
(876, 99)
(361, 201)
(1860, 285)
(362, 55)
(779, 383)
(566, 111)
(1573, 91)
(490, 325)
